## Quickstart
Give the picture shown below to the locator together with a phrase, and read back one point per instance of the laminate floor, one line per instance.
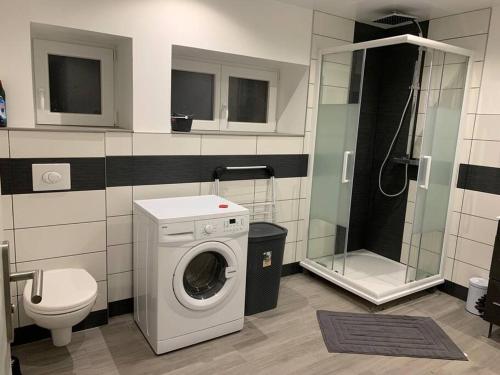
(286, 340)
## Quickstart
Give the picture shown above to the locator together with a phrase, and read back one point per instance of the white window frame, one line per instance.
(208, 68)
(41, 50)
(248, 73)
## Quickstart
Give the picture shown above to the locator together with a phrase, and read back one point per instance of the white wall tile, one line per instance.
(490, 86)
(119, 229)
(485, 153)
(468, 131)
(119, 200)
(462, 272)
(166, 144)
(8, 220)
(285, 211)
(236, 191)
(303, 209)
(478, 229)
(120, 286)
(119, 258)
(43, 144)
(476, 43)
(166, 190)
(487, 127)
(289, 254)
(476, 74)
(94, 263)
(451, 246)
(333, 26)
(4, 144)
(474, 253)
(458, 199)
(464, 24)
(454, 223)
(472, 101)
(321, 42)
(286, 188)
(279, 145)
(292, 231)
(8, 235)
(228, 145)
(448, 268)
(101, 301)
(481, 204)
(60, 240)
(320, 247)
(118, 144)
(31, 210)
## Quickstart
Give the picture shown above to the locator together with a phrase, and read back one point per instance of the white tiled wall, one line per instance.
(474, 226)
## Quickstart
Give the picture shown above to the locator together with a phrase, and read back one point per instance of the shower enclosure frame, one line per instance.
(412, 286)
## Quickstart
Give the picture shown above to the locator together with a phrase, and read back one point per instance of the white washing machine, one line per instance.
(190, 257)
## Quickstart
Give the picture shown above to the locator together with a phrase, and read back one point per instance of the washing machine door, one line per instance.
(205, 275)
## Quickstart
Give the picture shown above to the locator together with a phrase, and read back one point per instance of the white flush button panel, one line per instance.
(47, 177)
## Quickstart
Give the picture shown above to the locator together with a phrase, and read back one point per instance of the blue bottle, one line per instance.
(3, 109)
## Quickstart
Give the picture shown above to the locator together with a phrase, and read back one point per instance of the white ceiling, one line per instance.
(368, 10)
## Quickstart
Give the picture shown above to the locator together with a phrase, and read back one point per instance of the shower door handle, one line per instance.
(345, 164)
(427, 173)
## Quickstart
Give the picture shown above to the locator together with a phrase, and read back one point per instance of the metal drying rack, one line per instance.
(219, 171)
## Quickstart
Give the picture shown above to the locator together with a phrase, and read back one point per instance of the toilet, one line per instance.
(68, 295)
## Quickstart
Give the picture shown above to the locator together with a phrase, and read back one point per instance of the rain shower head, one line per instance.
(395, 19)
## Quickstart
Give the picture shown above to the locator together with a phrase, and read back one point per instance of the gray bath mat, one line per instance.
(393, 335)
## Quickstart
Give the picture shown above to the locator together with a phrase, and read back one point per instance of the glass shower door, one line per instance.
(442, 95)
(336, 134)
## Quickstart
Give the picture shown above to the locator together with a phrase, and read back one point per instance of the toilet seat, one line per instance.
(64, 291)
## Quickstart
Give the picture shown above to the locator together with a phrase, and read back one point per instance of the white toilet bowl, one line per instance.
(68, 295)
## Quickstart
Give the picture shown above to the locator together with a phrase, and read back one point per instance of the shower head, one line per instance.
(394, 19)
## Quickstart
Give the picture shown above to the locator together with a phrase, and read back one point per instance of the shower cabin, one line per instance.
(384, 164)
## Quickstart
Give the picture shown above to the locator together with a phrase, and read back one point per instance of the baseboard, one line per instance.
(455, 290)
(26, 334)
(124, 306)
(290, 269)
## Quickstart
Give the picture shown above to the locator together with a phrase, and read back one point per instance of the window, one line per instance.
(249, 98)
(195, 91)
(224, 97)
(73, 84)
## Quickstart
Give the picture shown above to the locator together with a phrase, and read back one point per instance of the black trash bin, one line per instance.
(266, 244)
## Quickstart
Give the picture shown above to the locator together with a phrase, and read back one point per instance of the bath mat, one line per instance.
(392, 335)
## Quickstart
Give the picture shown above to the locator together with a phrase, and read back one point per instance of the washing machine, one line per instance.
(189, 269)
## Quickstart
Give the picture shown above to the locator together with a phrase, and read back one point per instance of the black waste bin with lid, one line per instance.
(266, 244)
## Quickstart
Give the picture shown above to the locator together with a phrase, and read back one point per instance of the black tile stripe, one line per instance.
(151, 170)
(86, 174)
(479, 178)
(98, 173)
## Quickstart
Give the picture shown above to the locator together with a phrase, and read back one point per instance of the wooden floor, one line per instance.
(286, 340)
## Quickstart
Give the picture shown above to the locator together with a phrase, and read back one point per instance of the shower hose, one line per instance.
(390, 150)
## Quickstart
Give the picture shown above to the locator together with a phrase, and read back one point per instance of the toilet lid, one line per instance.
(64, 290)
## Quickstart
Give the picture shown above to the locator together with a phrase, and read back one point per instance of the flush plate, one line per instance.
(51, 177)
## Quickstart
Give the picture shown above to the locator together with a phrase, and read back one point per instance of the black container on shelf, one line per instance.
(266, 244)
(181, 123)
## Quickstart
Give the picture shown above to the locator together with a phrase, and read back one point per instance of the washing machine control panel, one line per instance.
(221, 227)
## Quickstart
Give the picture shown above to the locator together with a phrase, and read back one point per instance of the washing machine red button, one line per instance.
(223, 205)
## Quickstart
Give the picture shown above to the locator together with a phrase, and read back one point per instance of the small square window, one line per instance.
(193, 94)
(74, 84)
(248, 100)
(195, 90)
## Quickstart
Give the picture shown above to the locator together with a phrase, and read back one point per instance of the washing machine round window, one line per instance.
(205, 275)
